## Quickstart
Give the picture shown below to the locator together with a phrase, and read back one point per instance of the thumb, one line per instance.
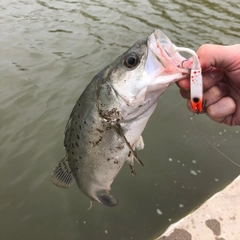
(226, 57)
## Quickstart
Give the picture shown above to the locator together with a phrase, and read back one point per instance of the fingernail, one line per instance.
(216, 73)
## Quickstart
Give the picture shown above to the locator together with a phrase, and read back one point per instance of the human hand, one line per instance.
(221, 82)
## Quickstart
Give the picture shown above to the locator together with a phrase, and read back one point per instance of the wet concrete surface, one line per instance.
(217, 219)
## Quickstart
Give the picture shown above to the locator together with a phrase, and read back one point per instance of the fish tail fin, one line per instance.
(107, 199)
(62, 174)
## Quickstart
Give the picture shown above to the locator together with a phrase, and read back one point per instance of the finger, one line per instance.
(215, 93)
(218, 56)
(211, 77)
(184, 94)
(189, 105)
(221, 110)
(184, 84)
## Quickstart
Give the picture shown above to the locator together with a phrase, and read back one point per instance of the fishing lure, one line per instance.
(196, 92)
(196, 84)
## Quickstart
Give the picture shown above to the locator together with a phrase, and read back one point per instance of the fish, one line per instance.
(105, 127)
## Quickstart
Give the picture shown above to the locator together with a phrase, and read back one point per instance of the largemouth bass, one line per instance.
(106, 123)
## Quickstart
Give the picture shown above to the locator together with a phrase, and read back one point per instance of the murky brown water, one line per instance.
(50, 50)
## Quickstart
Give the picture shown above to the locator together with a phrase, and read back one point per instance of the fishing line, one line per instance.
(201, 135)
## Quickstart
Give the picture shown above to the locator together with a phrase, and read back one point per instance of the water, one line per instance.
(50, 50)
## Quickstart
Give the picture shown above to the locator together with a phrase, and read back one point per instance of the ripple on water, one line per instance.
(49, 52)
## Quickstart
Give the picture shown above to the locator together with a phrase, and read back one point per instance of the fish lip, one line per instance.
(166, 53)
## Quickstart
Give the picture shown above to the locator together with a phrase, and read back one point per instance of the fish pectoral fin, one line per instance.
(62, 174)
(120, 132)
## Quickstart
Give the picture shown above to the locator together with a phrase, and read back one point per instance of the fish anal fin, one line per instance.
(62, 174)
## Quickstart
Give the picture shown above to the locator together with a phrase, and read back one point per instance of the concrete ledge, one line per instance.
(217, 219)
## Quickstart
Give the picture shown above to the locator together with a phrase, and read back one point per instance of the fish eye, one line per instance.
(131, 60)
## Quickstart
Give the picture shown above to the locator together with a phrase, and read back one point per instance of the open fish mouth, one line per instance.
(167, 60)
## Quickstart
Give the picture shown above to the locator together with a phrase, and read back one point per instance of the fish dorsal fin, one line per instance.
(62, 174)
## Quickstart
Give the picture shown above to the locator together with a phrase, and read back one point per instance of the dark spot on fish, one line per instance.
(108, 159)
(115, 162)
(93, 122)
(76, 122)
(129, 154)
(80, 127)
(75, 160)
(77, 145)
(72, 145)
(140, 106)
(99, 140)
(80, 157)
(85, 122)
(72, 153)
(120, 147)
(110, 115)
(89, 141)
(78, 137)
(76, 168)
(99, 130)
(78, 116)
(79, 104)
(109, 127)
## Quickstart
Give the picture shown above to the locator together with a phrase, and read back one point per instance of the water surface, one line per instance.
(50, 50)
